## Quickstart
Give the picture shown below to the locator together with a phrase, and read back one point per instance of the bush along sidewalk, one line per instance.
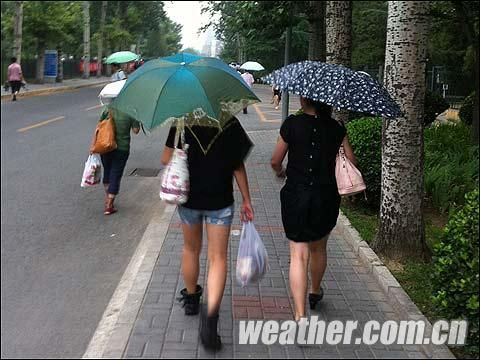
(455, 277)
(448, 285)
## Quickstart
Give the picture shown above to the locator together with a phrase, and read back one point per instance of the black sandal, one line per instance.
(313, 299)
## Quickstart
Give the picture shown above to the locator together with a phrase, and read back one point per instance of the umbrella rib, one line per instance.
(159, 95)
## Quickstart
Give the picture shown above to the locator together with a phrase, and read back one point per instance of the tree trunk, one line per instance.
(465, 16)
(338, 17)
(475, 101)
(100, 38)
(316, 40)
(108, 67)
(40, 64)
(401, 232)
(17, 30)
(86, 39)
(59, 66)
(239, 45)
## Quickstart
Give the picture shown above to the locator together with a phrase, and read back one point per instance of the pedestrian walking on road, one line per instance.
(248, 78)
(15, 77)
(210, 201)
(118, 73)
(276, 97)
(309, 199)
(114, 162)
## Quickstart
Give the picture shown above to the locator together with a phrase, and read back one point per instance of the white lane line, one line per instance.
(94, 107)
(40, 124)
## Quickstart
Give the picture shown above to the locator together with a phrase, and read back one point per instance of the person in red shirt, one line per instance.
(15, 77)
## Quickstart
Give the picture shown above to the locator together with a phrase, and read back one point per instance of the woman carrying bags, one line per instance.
(310, 199)
(210, 201)
(114, 159)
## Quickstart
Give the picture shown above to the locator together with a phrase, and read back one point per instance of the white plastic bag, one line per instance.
(252, 256)
(176, 178)
(92, 173)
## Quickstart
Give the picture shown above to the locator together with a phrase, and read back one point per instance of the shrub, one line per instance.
(466, 110)
(451, 165)
(455, 278)
(435, 104)
(365, 135)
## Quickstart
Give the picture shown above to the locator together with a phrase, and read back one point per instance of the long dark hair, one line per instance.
(321, 109)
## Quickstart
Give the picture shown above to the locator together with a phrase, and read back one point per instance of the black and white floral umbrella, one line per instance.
(335, 85)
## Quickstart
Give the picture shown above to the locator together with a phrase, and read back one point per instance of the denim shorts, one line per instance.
(213, 217)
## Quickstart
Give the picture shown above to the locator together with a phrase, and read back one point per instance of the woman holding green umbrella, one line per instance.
(118, 73)
(117, 58)
(203, 94)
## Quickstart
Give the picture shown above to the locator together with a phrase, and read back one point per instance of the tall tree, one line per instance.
(100, 38)
(17, 30)
(467, 15)
(401, 232)
(338, 19)
(86, 39)
(316, 39)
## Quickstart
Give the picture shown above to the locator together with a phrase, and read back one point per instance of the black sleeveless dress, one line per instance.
(310, 199)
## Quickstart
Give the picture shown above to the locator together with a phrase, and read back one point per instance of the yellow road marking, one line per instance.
(41, 124)
(94, 107)
(262, 117)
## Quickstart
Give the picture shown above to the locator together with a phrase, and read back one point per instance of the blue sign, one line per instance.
(50, 63)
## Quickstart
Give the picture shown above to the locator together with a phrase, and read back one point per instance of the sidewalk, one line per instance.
(156, 327)
(42, 89)
(162, 330)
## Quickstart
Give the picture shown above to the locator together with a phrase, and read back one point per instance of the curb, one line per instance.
(399, 299)
(51, 90)
(111, 337)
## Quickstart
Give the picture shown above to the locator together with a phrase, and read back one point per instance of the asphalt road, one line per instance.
(61, 257)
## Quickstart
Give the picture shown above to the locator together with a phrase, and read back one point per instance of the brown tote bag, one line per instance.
(104, 137)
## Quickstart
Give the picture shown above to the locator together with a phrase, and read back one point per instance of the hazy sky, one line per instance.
(187, 13)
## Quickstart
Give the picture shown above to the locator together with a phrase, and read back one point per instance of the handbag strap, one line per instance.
(341, 152)
(180, 135)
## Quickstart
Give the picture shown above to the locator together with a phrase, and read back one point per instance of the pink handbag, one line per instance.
(349, 178)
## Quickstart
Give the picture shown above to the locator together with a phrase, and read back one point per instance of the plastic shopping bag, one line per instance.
(252, 256)
(92, 172)
(176, 178)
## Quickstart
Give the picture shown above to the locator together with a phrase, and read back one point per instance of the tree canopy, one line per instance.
(58, 24)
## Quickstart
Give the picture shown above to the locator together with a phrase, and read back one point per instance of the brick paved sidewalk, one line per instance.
(351, 293)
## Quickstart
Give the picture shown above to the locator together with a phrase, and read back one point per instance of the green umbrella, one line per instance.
(198, 90)
(121, 57)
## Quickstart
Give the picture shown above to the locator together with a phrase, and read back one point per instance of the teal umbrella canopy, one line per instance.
(199, 90)
(121, 57)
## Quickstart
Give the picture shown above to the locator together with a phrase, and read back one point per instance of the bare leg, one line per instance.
(299, 254)
(192, 245)
(276, 101)
(217, 265)
(318, 263)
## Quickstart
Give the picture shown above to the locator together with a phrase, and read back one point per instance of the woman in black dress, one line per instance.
(310, 199)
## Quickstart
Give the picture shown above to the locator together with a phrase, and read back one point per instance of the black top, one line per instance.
(313, 144)
(211, 174)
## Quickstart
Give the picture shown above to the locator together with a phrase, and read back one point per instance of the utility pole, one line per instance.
(100, 38)
(86, 39)
(285, 97)
(17, 31)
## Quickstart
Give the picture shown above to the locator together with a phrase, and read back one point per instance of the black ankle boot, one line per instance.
(191, 302)
(208, 331)
(313, 299)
